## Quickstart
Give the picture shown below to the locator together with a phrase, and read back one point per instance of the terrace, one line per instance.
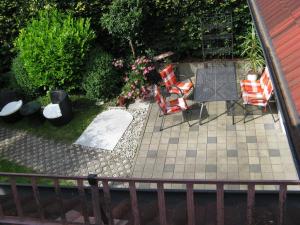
(222, 172)
(255, 150)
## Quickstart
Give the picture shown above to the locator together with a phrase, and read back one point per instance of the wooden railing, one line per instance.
(95, 183)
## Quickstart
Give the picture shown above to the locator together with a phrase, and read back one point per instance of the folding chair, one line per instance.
(257, 92)
(171, 106)
(173, 86)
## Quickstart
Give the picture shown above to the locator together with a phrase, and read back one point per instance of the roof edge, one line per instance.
(282, 91)
(271, 58)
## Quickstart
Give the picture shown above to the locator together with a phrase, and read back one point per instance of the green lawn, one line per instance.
(84, 112)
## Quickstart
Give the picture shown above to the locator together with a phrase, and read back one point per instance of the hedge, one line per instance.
(167, 25)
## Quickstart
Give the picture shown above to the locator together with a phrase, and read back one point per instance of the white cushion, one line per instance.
(252, 77)
(52, 111)
(11, 108)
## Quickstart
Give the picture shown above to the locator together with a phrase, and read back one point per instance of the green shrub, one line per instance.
(21, 77)
(53, 48)
(101, 80)
(252, 50)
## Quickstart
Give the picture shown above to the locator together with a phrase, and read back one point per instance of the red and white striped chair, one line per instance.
(258, 92)
(168, 107)
(173, 86)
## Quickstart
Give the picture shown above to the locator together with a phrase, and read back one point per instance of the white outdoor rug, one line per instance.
(106, 129)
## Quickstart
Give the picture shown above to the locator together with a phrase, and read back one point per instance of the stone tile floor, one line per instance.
(257, 149)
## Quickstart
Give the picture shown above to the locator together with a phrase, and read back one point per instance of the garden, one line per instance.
(101, 52)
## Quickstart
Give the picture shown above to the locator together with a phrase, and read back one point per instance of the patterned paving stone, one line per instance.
(251, 139)
(255, 168)
(191, 153)
(151, 154)
(274, 152)
(211, 140)
(269, 126)
(169, 167)
(210, 168)
(173, 140)
(232, 153)
(57, 158)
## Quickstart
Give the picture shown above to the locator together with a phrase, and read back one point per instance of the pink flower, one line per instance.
(150, 68)
(126, 79)
(129, 94)
(145, 71)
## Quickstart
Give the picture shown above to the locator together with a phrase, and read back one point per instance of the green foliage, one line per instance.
(252, 50)
(123, 19)
(101, 79)
(137, 79)
(179, 24)
(21, 77)
(165, 25)
(53, 48)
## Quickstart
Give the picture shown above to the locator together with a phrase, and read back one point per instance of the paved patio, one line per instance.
(257, 149)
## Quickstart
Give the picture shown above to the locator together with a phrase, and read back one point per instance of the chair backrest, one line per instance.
(266, 84)
(160, 100)
(58, 96)
(168, 76)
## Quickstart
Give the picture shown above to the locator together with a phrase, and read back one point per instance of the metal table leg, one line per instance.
(201, 109)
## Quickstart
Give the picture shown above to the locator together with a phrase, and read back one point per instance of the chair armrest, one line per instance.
(181, 93)
(182, 75)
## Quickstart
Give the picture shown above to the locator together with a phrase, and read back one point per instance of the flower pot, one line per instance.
(121, 101)
(252, 77)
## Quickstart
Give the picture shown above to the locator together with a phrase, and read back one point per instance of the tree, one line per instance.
(123, 20)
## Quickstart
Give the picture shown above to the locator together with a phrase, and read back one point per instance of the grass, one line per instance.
(11, 167)
(84, 112)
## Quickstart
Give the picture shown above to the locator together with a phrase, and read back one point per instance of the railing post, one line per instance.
(37, 198)
(93, 182)
(83, 201)
(282, 204)
(190, 204)
(107, 202)
(220, 204)
(250, 203)
(16, 196)
(134, 203)
(60, 201)
(161, 203)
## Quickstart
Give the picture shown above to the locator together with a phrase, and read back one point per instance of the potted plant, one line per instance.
(252, 51)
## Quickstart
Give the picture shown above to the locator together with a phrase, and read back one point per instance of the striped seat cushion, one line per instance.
(172, 84)
(257, 92)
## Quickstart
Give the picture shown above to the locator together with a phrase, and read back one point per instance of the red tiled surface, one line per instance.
(282, 19)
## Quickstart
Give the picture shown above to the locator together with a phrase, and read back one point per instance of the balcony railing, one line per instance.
(103, 209)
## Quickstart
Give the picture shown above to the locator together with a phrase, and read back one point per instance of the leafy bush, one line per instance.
(53, 48)
(21, 77)
(123, 20)
(101, 79)
(137, 79)
(252, 50)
